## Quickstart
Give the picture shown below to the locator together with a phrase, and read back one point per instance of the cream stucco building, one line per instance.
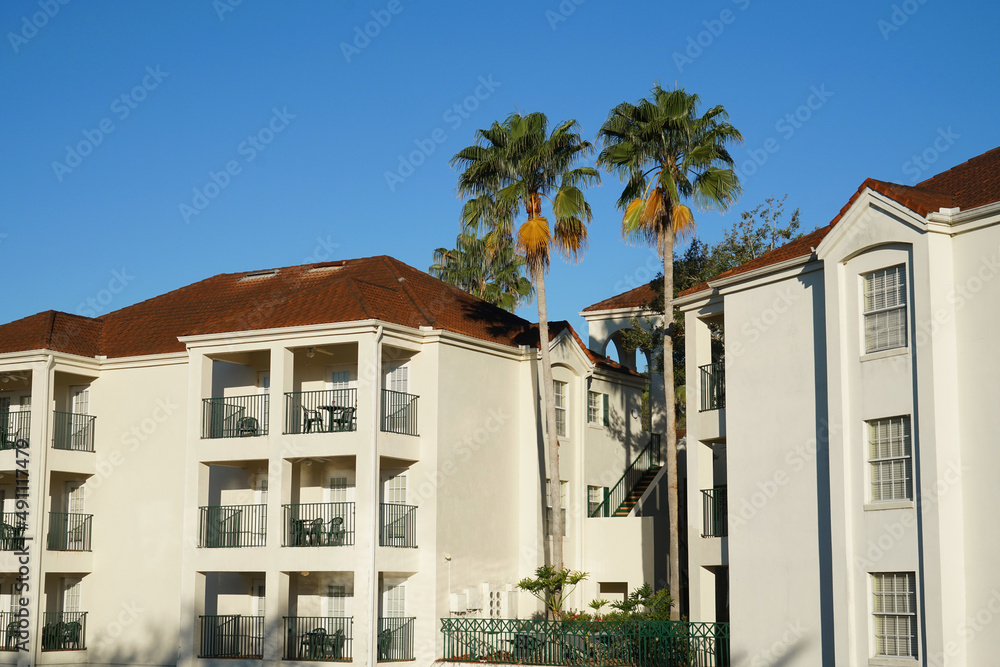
(839, 450)
(306, 463)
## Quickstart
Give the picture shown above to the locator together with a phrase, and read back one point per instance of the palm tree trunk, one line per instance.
(673, 509)
(551, 435)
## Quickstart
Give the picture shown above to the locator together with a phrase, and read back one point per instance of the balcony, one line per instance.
(11, 535)
(398, 525)
(395, 639)
(713, 386)
(234, 416)
(715, 522)
(231, 636)
(73, 431)
(399, 412)
(64, 630)
(69, 532)
(14, 426)
(232, 526)
(320, 638)
(318, 525)
(328, 411)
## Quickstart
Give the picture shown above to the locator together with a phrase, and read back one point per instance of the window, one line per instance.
(559, 389)
(595, 496)
(397, 378)
(890, 461)
(885, 309)
(894, 606)
(597, 408)
(335, 597)
(564, 486)
(395, 601)
(71, 595)
(395, 489)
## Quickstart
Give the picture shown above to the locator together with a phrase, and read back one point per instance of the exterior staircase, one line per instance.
(640, 488)
(620, 499)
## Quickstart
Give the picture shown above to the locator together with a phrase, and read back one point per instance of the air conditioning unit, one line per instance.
(458, 603)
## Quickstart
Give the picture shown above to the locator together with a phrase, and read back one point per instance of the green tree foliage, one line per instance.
(490, 270)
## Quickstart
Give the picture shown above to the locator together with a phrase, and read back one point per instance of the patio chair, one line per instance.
(342, 419)
(247, 426)
(314, 643)
(11, 537)
(384, 644)
(335, 536)
(70, 634)
(314, 532)
(335, 645)
(13, 634)
(311, 418)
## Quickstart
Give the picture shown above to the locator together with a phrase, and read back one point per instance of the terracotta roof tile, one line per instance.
(634, 298)
(52, 330)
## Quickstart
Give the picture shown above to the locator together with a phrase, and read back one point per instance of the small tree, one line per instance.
(551, 586)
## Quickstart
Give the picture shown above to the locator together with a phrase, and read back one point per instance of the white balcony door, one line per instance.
(263, 382)
(335, 601)
(339, 488)
(79, 399)
(257, 591)
(260, 498)
(71, 595)
(397, 377)
(394, 489)
(75, 504)
(75, 497)
(394, 600)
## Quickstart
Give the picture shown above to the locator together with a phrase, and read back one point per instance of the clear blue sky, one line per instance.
(309, 117)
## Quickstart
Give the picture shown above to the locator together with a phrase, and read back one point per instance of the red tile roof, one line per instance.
(376, 288)
(969, 185)
(634, 298)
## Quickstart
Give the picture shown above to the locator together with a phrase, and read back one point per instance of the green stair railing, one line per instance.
(615, 497)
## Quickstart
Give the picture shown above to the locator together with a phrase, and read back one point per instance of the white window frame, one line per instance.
(394, 489)
(71, 595)
(335, 601)
(595, 406)
(595, 496)
(395, 600)
(890, 609)
(884, 306)
(559, 390)
(397, 378)
(890, 459)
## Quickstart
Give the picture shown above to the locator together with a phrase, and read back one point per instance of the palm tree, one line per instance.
(479, 266)
(513, 167)
(666, 153)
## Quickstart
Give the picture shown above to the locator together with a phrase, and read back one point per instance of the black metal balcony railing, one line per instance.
(399, 412)
(713, 386)
(64, 630)
(10, 626)
(73, 431)
(11, 535)
(69, 532)
(326, 638)
(395, 639)
(234, 416)
(327, 411)
(318, 525)
(231, 636)
(232, 526)
(715, 521)
(14, 426)
(398, 525)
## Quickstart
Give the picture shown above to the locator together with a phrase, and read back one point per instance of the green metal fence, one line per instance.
(318, 525)
(14, 426)
(223, 526)
(614, 497)
(399, 412)
(10, 626)
(69, 532)
(715, 513)
(234, 416)
(327, 411)
(64, 630)
(395, 639)
(73, 431)
(324, 638)
(11, 535)
(398, 525)
(713, 386)
(592, 643)
(232, 636)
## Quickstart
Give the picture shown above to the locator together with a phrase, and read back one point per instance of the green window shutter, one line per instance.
(607, 412)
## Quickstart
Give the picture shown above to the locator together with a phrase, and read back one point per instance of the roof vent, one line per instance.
(325, 267)
(257, 275)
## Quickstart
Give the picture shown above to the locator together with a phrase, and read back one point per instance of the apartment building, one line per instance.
(839, 448)
(310, 463)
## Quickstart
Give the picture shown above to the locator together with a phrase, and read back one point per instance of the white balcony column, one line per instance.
(282, 379)
(367, 497)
